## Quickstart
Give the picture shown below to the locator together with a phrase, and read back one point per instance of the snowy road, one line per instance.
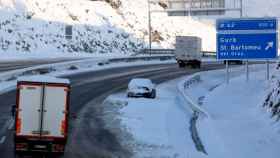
(88, 137)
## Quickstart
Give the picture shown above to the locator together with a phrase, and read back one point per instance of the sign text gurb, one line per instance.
(247, 39)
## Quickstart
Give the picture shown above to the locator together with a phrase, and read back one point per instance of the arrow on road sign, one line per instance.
(269, 45)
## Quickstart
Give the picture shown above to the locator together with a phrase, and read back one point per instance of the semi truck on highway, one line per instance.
(188, 51)
(42, 109)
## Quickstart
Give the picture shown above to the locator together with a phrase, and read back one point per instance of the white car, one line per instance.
(141, 87)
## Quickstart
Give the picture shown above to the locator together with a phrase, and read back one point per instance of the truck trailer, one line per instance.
(188, 51)
(42, 110)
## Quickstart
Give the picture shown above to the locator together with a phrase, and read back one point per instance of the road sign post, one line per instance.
(267, 70)
(227, 76)
(247, 70)
(247, 39)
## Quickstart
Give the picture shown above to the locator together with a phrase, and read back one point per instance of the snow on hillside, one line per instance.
(34, 25)
(272, 99)
(261, 8)
(100, 27)
(39, 26)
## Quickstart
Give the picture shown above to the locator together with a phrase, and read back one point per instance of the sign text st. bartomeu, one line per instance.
(247, 38)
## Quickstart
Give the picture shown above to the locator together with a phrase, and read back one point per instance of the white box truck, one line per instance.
(188, 51)
(41, 119)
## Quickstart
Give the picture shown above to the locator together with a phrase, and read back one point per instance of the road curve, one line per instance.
(88, 136)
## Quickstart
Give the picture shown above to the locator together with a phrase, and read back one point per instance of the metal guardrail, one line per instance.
(144, 58)
(157, 51)
(182, 88)
(191, 81)
(171, 52)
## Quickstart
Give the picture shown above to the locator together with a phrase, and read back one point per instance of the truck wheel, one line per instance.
(199, 66)
(129, 95)
(195, 66)
(18, 154)
(181, 64)
(58, 155)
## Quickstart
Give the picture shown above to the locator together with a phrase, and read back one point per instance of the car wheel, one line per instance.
(153, 94)
(129, 95)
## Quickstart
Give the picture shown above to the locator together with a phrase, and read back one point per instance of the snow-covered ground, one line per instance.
(272, 99)
(237, 127)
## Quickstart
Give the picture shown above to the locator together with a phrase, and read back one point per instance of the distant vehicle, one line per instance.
(41, 119)
(141, 87)
(188, 51)
(278, 65)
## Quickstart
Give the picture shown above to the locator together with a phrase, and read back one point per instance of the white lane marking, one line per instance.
(6, 126)
(85, 81)
(11, 124)
(2, 140)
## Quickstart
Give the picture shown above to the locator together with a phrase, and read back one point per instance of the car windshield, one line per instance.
(145, 88)
(140, 83)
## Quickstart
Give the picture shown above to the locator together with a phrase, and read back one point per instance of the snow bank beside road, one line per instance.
(238, 126)
(238, 120)
(195, 87)
(272, 99)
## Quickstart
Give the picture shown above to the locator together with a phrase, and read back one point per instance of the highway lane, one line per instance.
(20, 64)
(88, 135)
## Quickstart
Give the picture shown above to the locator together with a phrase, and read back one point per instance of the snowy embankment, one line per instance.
(238, 126)
(272, 100)
(8, 79)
